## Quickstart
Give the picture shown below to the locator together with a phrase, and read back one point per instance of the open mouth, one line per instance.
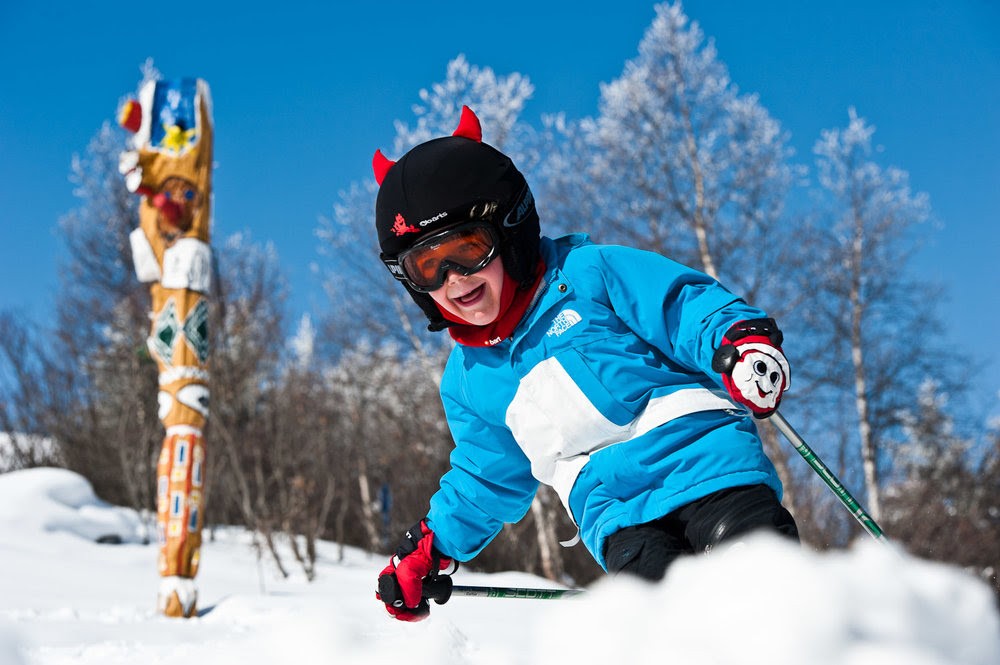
(761, 391)
(472, 297)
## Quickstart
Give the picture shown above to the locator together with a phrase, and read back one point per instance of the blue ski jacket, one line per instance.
(605, 392)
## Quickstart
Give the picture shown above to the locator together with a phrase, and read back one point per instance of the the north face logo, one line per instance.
(565, 320)
(401, 227)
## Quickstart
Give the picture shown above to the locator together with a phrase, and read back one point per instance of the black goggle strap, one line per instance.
(394, 268)
(523, 204)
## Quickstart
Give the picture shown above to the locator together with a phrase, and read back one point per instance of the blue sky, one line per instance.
(304, 93)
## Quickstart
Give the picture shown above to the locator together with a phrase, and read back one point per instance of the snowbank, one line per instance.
(66, 599)
(771, 602)
(57, 500)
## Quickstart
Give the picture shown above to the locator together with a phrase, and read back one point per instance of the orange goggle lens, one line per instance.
(465, 249)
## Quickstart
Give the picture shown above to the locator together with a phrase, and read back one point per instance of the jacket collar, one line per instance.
(555, 286)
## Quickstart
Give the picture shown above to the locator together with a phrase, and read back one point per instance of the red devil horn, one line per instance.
(130, 116)
(468, 126)
(381, 165)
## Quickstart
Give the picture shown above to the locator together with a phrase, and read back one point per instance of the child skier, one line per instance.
(609, 373)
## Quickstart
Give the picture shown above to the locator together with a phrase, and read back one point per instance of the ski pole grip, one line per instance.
(388, 590)
(438, 588)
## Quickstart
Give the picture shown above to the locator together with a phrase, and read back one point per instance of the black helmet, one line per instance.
(448, 181)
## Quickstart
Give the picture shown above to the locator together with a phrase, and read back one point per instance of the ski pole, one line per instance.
(525, 593)
(863, 518)
(440, 589)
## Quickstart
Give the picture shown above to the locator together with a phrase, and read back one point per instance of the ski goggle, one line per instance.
(466, 249)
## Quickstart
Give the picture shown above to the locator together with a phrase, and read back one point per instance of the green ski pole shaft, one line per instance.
(863, 518)
(513, 592)
(440, 588)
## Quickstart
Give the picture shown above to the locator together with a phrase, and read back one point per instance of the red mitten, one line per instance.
(754, 369)
(400, 584)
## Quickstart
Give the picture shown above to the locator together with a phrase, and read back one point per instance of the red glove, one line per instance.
(400, 584)
(753, 367)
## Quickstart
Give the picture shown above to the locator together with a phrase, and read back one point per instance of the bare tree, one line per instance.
(25, 397)
(389, 416)
(306, 483)
(83, 384)
(247, 342)
(945, 503)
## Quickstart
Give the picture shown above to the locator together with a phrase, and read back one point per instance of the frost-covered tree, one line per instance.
(870, 318)
(99, 389)
(567, 197)
(497, 100)
(356, 281)
(679, 162)
(686, 165)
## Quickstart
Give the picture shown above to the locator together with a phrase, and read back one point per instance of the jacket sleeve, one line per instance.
(489, 482)
(681, 311)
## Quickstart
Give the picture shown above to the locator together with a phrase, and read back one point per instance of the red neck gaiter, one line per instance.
(513, 303)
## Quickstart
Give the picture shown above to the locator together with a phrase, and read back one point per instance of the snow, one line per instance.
(67, 599)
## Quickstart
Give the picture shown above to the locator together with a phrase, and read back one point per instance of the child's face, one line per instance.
(474, 298)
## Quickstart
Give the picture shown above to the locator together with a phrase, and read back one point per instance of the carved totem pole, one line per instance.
(170, 167)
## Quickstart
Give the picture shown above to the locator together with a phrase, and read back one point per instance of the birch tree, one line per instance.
(679, 162)
(868, 314)
(686, 165)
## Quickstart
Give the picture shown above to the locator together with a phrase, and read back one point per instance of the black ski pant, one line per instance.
(647, 550)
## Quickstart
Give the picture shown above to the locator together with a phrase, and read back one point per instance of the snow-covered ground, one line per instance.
(67, 599)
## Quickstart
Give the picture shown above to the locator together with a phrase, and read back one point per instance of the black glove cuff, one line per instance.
(764, 327)
(408, 544)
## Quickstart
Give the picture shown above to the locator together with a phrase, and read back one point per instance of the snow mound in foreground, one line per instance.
(58, 500)
(767, 602)
(772, 602)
